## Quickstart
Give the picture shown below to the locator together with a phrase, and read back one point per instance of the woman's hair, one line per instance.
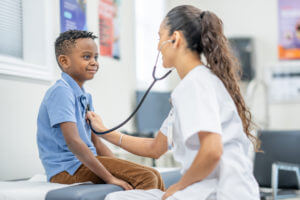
(203, 31)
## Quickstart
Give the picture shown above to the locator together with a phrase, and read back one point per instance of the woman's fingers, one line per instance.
(90, 114)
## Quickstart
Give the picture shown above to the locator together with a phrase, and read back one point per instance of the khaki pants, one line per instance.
(139, 176)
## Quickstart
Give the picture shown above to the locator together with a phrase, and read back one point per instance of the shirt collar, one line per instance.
(73, 84)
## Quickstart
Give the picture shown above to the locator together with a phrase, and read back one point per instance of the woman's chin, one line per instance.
(167, 66)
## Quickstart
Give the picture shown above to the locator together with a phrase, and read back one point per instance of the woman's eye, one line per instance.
(86, 57)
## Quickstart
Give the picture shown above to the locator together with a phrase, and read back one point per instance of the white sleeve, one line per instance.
(196, 109)
(164, 127)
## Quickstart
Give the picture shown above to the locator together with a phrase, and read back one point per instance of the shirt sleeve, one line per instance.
(61, 106)
(164, 127)
(196, 109)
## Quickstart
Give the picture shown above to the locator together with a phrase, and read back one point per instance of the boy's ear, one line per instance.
(64, 62)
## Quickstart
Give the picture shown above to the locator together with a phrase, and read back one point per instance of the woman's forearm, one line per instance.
(206, 159)
(147, 147)
(203, 165)
(136, 145)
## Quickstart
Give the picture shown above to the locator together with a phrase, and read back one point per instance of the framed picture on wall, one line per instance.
(72, 15)
(109, 28)
(289, 29)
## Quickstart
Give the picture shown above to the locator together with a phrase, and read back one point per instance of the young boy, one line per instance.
(69, 150)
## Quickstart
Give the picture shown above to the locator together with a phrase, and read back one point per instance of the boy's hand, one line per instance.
(120, 182)
(95, 121)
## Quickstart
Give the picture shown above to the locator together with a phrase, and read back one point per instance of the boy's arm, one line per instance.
(101, 148)
(83, 153)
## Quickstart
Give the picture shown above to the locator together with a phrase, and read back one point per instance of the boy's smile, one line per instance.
(83, 64)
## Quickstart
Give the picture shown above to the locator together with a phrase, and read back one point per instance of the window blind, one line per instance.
(11, 30)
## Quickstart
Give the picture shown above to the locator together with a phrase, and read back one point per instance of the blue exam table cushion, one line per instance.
(91, 191)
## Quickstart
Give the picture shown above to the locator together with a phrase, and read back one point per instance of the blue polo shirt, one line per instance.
(65, 101)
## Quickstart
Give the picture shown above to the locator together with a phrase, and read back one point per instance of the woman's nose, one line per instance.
(158, 45)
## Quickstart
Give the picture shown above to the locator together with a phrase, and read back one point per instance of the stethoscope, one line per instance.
(143, 98)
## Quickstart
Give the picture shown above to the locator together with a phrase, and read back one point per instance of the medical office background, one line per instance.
(26, 75)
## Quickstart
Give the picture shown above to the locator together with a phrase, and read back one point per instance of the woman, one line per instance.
(209, 125)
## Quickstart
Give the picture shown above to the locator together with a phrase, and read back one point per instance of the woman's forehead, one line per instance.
(163, 28)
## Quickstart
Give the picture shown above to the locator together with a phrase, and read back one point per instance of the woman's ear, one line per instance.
(176, 39)
(64, 62)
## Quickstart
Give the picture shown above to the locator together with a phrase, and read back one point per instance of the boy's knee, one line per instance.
(149, 180)
(158, 175)
(151, 176)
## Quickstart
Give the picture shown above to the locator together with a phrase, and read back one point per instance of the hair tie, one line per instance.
(202, 14)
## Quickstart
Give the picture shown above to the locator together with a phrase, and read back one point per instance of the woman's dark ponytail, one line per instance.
(203, 32)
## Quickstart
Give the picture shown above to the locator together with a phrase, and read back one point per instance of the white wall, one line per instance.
(114, 85)
(256, 19)
(147, 38)
(112, 90)
(21, 97)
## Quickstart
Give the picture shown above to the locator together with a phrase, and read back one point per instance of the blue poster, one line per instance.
(72, 15)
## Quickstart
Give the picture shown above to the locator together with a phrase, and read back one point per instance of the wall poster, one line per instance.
(109, 28)
(289, 29)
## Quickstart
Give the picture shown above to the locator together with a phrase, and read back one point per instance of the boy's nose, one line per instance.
(93, 62)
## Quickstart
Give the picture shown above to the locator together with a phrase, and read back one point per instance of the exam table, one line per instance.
(38, 190)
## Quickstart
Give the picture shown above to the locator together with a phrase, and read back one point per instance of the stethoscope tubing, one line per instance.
(139, 105)
(132, 114)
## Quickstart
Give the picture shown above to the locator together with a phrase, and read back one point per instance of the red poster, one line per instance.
(109, 39)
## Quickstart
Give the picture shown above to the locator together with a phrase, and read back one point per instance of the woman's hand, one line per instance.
(95, 121)
(172, 189)
(120, 183)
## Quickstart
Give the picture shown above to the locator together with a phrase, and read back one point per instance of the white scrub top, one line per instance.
(201, 103)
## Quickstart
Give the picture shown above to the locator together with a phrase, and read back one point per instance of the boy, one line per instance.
(69, 150)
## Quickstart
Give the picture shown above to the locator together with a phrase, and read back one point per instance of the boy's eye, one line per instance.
(86, 57)
(96, 58)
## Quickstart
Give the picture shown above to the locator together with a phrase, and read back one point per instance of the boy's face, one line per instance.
(81, 63)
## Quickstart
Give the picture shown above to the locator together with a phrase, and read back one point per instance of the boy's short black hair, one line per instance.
(67, 40)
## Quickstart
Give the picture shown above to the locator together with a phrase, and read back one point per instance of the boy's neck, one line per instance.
(79, 83)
